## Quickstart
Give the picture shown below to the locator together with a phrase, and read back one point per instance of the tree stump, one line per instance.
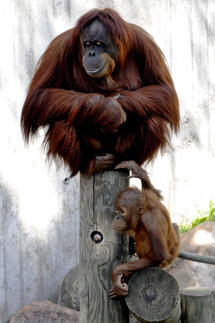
(154, 296)
(198, 305)
(101, 248)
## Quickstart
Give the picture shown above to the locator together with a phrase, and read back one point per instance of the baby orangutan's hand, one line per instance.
(119, 287)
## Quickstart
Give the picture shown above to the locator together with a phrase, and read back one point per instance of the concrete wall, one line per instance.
(38, 212)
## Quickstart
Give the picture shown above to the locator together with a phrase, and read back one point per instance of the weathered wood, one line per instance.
(198, 305)
(98, 258)
(154, 296)
(132, 319)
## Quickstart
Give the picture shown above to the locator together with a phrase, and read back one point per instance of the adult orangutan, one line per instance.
(103, 93)
(141, 214)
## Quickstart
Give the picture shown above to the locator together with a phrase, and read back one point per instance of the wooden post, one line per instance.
(153, 296)
(198, 305)
(101, 248)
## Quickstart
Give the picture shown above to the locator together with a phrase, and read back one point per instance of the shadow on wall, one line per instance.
(37, 248)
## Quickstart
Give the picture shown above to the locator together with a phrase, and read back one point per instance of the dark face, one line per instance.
(98, 50)
(121, 221)
(128, 210)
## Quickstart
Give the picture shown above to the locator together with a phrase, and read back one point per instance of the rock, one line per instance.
(69, 290)
(200, 240)
(44, 312)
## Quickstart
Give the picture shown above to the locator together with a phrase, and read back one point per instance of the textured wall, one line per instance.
(188, 173)
(38, 212)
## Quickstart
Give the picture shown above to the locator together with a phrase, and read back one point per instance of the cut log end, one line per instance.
(154, 296)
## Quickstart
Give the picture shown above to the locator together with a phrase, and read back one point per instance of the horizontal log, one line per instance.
(154, 296)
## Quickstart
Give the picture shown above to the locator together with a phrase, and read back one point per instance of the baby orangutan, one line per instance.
(141, 214)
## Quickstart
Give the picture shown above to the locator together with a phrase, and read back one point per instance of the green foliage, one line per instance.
(209, 215)
(184, 228)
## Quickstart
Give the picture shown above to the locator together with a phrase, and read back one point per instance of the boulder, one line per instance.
(200, 240)
(44, 312)
(69, 290)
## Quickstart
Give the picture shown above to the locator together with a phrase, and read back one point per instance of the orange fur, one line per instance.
(143, 214)
(76, 107)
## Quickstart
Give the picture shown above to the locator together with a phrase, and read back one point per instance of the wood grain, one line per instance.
(154, 296)
(97, 197)
(198, 305)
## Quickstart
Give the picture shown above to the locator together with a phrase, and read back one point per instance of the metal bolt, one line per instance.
(66, 180)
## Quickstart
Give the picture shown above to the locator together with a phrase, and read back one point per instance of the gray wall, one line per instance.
(38, 212)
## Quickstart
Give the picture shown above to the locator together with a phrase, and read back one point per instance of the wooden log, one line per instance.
(154, 296)
(198, 305)
(101, 248)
